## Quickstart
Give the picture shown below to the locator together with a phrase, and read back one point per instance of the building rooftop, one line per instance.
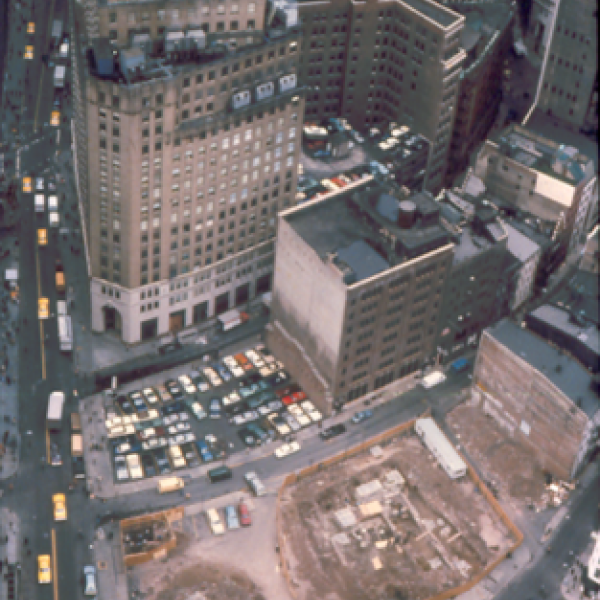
(559, 167)
(580, 295)
(366, 229)
(434, 11)
(561, 370)
(519, 245)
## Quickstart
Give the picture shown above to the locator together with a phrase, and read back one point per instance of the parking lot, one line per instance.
(197, 415)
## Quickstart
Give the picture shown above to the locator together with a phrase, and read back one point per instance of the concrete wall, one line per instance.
(309, 299)
(518, 397)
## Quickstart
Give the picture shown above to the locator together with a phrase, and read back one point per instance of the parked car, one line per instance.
(121, 470)
(244, 512)
(214, 408)
(148, 465)
(231, 517)
(303, 419)
(204, 451)
(164, 394)
(287, 449)
(243, 361)
(279, 424)
(198, 410)
(199, 381)
(174, 389)
(191, 456)
(233, 366)
(246, 417)
(150, 395)
(265, 353)
(212, 376)
(187, 384)
(255, 359)
(178, 427)
(333, 431)
(277, 378)
(291, 421)
(249, 438)
(173, 408)
(265, 435)
(162, 462)
(224, 374)
(309, 408)
(125, 405)
(231, 398)
(361, 415)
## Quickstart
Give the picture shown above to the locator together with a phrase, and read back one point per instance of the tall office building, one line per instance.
(568, 86)
(385, 60)
(188, 128)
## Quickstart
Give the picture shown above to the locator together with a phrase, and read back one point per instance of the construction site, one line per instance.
(509, 467)
(389, 522)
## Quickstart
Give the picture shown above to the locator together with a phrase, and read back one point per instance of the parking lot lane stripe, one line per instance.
(54, 566)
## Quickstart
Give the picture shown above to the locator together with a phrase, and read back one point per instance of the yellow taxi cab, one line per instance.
(60, 507)
(28, 55)
(55, 118)
(43, 308)
(31, 27)
(44, 572)
(27, 185)
(42, 237)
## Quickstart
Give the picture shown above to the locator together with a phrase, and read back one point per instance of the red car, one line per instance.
(245, 520)
(299, 396)
(287, 400)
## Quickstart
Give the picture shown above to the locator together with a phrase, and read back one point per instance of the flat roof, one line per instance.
(363, 260)
(434, 11)
(561, 370)
(519, 245)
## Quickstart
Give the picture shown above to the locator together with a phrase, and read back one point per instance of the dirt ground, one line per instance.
(184, 576)
(509, 467)
(432, 533)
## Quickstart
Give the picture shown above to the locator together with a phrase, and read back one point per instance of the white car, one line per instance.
(231, 398)
(212, 376)
(246, 417)
(187, 384)
(150, 395)
(188, 437)
(170, 419)
(121, 471)
(287, 449)
(233, 366)
(89, 577)
(255, 359)
(144, 434)
(279, 424)
(160, 442)
(178, 428)
(198, 410)
(309, 408)
(199, 382)
(39, 184)
(183, 416)
(303, 419)
(270, 407)
(291, 421)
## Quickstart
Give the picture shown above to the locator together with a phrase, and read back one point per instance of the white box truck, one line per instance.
(65, 333)
(54, 416)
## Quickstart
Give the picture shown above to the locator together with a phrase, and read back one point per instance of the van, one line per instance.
(219, 474)
(39, 202)
(53, 203)
(214, 521)
(75, 422)
(61, 308)
(170, 484)
(77, 444)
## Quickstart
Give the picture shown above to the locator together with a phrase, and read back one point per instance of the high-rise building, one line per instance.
(568, 86)
(486, 38)
(385, 60)
(359, 275)
(188, 128)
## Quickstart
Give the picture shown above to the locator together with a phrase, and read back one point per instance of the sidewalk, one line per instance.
(10, 552)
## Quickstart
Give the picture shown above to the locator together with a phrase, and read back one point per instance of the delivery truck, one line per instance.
(65, 333)
(56, 402)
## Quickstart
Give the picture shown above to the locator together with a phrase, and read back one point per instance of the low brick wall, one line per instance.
(386, 435)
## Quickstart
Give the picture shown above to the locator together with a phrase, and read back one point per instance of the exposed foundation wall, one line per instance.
(528, 406)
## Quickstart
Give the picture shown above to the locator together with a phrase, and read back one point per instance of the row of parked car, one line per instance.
(235, 517)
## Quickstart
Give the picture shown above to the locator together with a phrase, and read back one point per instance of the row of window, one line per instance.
(175, 14)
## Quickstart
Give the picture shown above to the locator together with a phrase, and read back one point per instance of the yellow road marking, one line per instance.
(48, 33)
(41, 321)
(47, 446)
(54, 566)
